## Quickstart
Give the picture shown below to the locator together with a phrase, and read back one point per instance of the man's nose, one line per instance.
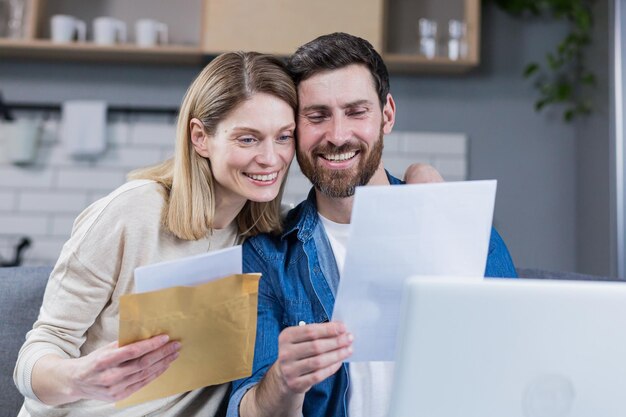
(340, 132)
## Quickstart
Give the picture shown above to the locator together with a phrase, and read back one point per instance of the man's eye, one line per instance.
(357, 113)
(316, 118)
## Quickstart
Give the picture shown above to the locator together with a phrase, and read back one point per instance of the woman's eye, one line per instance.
(247, 140)
(285, 138)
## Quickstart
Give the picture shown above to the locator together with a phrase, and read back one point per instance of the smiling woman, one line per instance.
(255, 149)
(234, 145)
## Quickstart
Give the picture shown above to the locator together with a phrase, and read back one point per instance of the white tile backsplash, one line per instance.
(17, 177)
(42, 200)
(51, 202)
(454, 166)
(151, 134)
(62, 225)
(24, 224)
(435, 143)
(8, 200)
(129, 157)
(90, 178)
(44, 250)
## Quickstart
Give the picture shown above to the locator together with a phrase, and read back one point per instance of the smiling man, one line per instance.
(344, 111)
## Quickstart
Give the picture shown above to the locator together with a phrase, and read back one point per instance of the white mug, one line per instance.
(108, 31)
(21, 140)
(64, 28)
(149, 32)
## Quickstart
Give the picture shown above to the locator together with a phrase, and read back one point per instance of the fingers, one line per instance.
(422, 173)
(107, 373)
(298, 334)
(137, 386)
(137, 369)
(134, 350)
(309, 354)
(303, 383)
(315, 347)
(137, 380)
(313, 364)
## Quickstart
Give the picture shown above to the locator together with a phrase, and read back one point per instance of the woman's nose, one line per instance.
(267, 153)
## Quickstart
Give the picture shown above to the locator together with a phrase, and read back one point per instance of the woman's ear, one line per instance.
(199, 138)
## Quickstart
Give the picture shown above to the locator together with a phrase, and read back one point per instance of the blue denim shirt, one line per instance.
(298, 279)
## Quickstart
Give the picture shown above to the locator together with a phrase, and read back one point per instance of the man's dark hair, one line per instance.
(335, 51)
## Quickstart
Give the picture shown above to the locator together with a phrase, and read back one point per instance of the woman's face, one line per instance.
(251, 149)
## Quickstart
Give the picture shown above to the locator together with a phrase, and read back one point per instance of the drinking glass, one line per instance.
(457, 42)
(427, 30)
(15, 24)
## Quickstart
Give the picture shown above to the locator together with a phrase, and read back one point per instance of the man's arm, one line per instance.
(499, 262)
(288, 363)
(307, 355)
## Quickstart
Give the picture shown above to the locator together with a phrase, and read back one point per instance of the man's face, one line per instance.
(340, 129)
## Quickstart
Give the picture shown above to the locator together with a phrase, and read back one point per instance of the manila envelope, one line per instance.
(214, 322)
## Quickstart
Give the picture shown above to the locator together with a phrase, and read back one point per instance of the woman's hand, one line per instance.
(421, 173)
(108, 374)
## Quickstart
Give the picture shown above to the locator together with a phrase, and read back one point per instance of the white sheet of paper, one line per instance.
(189, 271)
(400, 231)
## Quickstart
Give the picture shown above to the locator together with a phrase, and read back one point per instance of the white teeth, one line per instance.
(269, 177)
(340, 156)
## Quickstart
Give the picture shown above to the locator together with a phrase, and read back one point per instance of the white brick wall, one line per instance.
(41, 200)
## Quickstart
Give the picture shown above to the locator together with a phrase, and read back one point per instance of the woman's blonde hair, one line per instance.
(226, 82)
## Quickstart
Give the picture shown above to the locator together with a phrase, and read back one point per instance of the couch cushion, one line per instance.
(21, 292)
(573, 276)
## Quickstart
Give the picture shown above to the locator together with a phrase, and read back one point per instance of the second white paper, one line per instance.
(400, 231)
(190, 271)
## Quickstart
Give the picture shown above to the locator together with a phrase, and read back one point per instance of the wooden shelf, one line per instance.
(88, 51)
(207, 27)
(413, 64)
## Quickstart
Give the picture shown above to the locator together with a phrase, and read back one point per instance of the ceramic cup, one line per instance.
(21, 140)
(150, 32)
(108, 31)
(64, 28)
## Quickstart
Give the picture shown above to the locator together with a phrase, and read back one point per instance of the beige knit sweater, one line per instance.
(79, 314)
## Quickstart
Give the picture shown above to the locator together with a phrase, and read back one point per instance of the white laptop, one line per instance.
(511, 348)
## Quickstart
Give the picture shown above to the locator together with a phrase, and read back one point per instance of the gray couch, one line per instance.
(21, 291)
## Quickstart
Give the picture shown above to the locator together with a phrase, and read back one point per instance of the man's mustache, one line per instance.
(332, 149)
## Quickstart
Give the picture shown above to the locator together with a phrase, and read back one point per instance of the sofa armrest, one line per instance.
(21, 293)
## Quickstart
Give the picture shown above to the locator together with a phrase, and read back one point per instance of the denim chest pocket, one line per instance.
(300, 313)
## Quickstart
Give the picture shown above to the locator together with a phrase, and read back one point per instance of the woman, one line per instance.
(234, 145)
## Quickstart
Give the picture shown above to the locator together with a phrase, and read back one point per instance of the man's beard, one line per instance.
(341, 183)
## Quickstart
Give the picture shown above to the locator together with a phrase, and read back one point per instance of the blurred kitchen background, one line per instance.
(472, 118)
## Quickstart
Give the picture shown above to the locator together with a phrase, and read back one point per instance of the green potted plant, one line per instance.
(562, 78)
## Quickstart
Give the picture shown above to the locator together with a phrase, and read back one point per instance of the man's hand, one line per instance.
(307, 355)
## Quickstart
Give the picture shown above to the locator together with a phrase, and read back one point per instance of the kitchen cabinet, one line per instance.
(200, 29)
(184, 24)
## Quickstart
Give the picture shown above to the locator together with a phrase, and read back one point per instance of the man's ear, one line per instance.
(199, 138)
(389, 115)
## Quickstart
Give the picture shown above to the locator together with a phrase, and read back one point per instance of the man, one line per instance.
(345, 109)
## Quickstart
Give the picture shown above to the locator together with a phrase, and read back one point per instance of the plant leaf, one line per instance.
(531, 69)
(588, 79)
